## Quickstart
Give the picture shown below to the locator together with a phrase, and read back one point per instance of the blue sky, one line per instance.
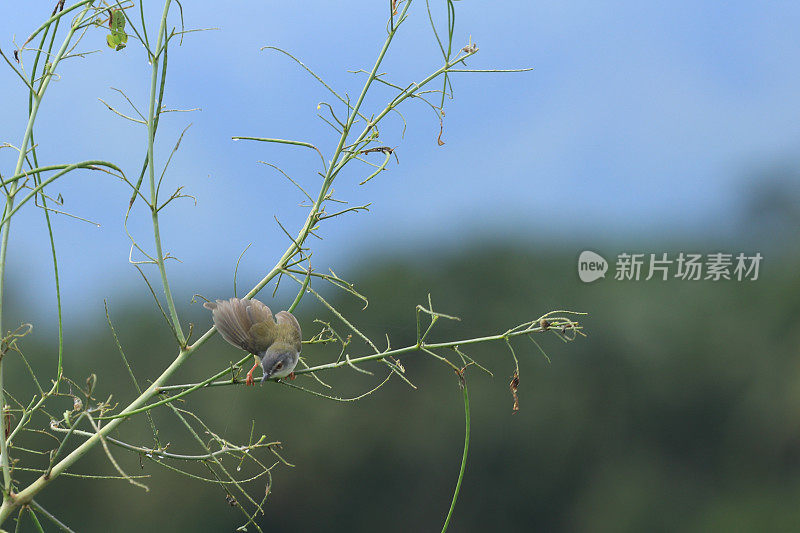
(639, 119)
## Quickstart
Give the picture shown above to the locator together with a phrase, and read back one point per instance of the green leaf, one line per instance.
(117, 22)
(117, 39)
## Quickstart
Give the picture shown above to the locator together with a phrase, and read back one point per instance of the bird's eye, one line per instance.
(278, 366)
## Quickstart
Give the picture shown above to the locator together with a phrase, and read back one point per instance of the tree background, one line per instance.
(677, 414)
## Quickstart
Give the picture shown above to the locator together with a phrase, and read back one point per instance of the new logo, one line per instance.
(591, 266)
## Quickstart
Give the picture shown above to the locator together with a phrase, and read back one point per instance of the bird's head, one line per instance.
(278, 361)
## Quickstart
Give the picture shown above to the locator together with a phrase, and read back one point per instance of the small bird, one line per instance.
(248, 324)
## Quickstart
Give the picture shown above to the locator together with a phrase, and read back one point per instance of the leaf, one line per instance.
(117, 39)
(117, 22)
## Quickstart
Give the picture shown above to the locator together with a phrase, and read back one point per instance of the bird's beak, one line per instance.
(265, 377)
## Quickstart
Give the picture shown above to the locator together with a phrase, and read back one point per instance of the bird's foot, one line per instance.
(291, 376)
(250, 380)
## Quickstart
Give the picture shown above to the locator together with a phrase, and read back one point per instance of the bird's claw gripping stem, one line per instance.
(249, 380)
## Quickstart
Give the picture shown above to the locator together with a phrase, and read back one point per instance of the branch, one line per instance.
(464, 455)
(535, 326)
(6, 226)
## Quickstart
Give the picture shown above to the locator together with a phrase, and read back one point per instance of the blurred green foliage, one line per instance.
(679, 412)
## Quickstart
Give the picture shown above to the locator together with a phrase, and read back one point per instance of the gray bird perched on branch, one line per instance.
(248, 324)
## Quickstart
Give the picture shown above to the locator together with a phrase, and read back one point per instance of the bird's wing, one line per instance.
(290, 329)
(263, 330)
(246, 324)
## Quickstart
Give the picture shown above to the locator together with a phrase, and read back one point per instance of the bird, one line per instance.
(248, 324)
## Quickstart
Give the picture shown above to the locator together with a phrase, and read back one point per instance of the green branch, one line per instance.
(421, 346)
(151, 133)
(5, 228)
(463, 457)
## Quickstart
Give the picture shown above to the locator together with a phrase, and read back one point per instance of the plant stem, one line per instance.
(151, 121)
(463, 459)
(49, 516)
(373, 357)
(27, 494)
(44, 183)
(161, 454)
(5, 227)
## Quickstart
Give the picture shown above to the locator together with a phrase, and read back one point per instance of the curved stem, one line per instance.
(39, 170)
(44, 183)
(463, 458)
